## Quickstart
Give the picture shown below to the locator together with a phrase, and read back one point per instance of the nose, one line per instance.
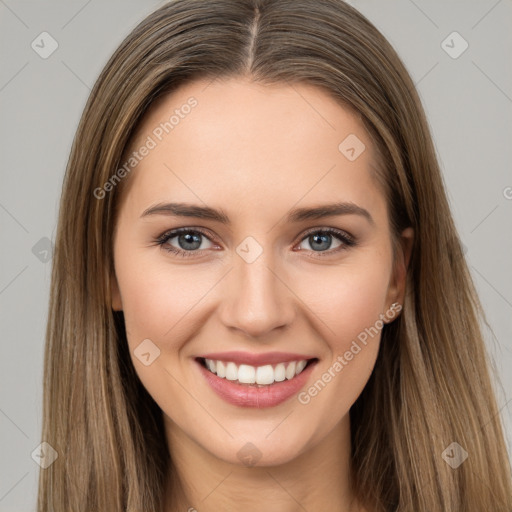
(257, 299)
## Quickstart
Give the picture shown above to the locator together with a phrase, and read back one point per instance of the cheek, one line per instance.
(161, 303)
(350, 308)
(347, 300)
(160, 300)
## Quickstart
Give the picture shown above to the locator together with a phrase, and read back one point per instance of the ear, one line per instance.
(396, 290)
(117, 304)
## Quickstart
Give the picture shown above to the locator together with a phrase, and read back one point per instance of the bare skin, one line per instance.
(256, 152)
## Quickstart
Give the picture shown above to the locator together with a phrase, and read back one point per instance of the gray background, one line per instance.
(468, 100)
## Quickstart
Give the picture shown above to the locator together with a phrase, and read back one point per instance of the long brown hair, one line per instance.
(431, 384)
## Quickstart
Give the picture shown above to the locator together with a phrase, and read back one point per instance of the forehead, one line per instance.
(252, 146)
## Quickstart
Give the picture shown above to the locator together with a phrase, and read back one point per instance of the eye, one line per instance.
(188, 240)
(321, 239)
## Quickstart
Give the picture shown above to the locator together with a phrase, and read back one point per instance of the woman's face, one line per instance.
(253, 272)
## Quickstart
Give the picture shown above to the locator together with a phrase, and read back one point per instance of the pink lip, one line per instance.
(239, 358)
(245, 395)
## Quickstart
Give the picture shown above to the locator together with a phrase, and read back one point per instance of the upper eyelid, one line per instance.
(177, 231)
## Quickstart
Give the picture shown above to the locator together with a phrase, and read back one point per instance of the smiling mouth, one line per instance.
(256, 376)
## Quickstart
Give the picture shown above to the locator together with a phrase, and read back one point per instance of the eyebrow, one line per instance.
(295, 215)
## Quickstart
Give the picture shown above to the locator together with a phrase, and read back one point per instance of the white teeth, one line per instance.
(246, 374)
(300, 367)
(262, 375)
(290, 370)
(231, 371)
(221, 369)
(279, 372)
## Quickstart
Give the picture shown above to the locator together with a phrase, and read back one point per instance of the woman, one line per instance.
(251, 370)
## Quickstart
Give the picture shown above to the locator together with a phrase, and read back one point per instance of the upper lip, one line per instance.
(239, 358)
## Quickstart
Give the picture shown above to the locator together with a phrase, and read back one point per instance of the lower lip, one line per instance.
(245, 395)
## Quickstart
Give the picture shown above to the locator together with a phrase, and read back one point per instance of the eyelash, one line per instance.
(346, 239)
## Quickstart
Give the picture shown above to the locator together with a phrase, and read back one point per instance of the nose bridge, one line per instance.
(257, 301)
